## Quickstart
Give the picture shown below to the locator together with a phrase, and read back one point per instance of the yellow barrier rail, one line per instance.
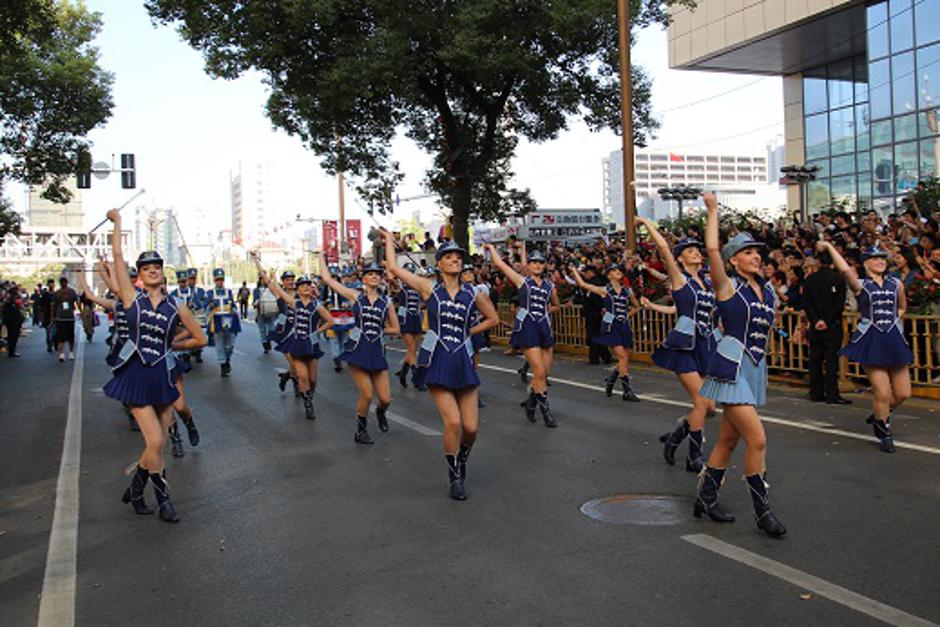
(788, 353)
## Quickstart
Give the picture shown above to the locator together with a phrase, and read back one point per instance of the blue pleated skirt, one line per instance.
(411, 324)
(368, 356)
(531, 334)
(138, 385)
(620, 334)
(451, 370)
(305, 348)
(881, 350)
(750, 387)
(683, 361)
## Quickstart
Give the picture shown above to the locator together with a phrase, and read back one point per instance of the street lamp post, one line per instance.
(679, 193)
(801, 175)
(626, 119)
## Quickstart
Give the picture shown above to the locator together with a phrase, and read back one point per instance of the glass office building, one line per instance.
(861, 85)
(870, 121)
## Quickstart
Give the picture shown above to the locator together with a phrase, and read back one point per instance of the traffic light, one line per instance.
(128, 173)
(83, 170)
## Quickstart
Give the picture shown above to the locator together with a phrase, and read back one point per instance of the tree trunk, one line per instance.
(461, 211)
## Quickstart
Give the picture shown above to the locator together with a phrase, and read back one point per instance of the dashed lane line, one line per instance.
(57, 602)
(842, 596)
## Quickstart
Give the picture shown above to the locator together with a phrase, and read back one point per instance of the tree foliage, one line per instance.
(52, 91)
(464, 79)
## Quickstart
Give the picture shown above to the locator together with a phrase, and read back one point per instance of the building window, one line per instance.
(902, 83)
(816, 136)
(928, 64)
(902, 26)
(926, 22)
(877, 31)
(842, 131)
(879, 89)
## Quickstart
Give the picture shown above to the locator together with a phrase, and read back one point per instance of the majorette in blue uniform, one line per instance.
(692, 341)
(197, 304)
(285, 318)
(878, 339)
(182, 295)
(119, 334)
(302, 340)
(365, 346)
(224, 324)
(533, 326)
(144, 372)
(408, 300)
(615, 325)
(446, 355)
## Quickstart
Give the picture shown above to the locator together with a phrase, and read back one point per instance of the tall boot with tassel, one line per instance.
(696, 458)
(628, 393)
(673, 439)
(610, 382)
(882, 429)
(362, 431)
(309, 413)
(402, 374)
(134, 494)
(529, 406)
(457, 491)
(542, 401)
(709, 484)
(161, 490)
(762, 514)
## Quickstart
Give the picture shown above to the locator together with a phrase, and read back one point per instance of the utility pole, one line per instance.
(343, 246)
(626, 117)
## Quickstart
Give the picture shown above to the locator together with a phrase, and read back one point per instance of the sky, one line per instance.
(188, 130)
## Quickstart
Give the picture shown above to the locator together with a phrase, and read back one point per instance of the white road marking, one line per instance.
(411, 424)
(806, 426)
(57, 602)
(831, 591)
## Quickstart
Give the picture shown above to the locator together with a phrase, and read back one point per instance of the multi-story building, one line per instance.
(156, 229)
(741, 181)
(45, 213)
(861, 84)
(252, 204)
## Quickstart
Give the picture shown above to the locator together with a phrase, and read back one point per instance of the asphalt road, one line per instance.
(288, 522)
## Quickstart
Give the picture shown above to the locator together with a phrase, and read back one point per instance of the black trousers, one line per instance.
(13, 337)
(824, 353)
(596, 352)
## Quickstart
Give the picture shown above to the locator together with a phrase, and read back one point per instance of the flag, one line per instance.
(675, 157)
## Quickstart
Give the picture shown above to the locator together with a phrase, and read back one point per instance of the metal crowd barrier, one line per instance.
(788, 354)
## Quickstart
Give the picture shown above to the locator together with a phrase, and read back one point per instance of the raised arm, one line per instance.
(724, 289)
(504, 267)
(672, 267)
(107, 275)
(275, 288)
(346, 292)
(851, 277)
(421, 284)
(580, 282)
(125, 288)
(107, 303)
(647, 304)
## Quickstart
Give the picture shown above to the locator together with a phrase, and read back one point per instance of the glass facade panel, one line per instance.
(843, 186)
(818, 192)
(817, 136)
(814, 95)
(881, 133)
(930, 157)
(864, 188)
(861, 79)
(882, 160)
(823, 165)
(902, 83)
(929, 122)
(905, 127)
(842, 131)
(841, 85)
(928, 75)
(905, 167)
(879, 89)
(862, 141)
(927, 19)
(902, 26)
(842, 165)
(863, 162)
(877, 31)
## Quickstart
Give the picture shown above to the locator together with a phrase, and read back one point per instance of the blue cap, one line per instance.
(467, 268)
(303, 278)
(687, 242)
(149, 256)
(449, 247)
(741, 241)
(536, 255)
(287, 274)
(193, 272)
(615, 266)
(182, 275)
(411, 267)
(373, 267)
(873, 252)
(218, 273)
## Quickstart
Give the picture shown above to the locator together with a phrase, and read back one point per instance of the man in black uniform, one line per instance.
(591, 306)
(824, 301)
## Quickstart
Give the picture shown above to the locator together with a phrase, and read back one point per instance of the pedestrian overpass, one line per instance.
(35, 247)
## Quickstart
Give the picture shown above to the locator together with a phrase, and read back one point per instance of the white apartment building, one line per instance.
(45, 213)
(252, 204)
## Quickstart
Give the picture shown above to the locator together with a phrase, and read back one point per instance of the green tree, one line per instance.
(464, 79)
(52, 91)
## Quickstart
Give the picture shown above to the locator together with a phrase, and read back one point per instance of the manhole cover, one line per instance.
(638, 509)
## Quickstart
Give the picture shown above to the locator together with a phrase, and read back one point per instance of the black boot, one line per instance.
(695, 461)
(222, 371)
(673, 439)
(547, 418)
(524, 372)
(462, 458)
(609, 383)
(362, 432)
(628, 393)
(337, 365)
(882, 431)
(162, 491)
(308, 406)
(529, 406)
(709, 483)
(457, 491)
(198, 357)
(191, 430)
(266, 346)
(134, 494)
(762, 514)
(282, 379)
(382, 418)
(176, 440)
(402, 374)
(228, 366)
